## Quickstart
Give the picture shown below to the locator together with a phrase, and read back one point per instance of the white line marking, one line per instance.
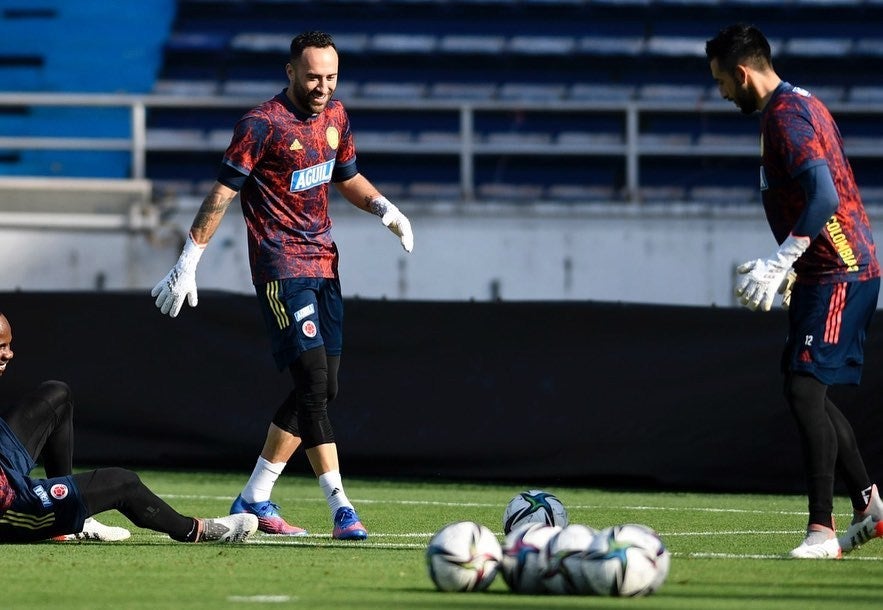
(700, 555)
(734, 533)
(261, 599)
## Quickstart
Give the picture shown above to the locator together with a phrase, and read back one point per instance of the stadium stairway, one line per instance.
(88, 46)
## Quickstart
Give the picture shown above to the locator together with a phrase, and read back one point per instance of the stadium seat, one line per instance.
(868, 47)
(462, 91)
(509, 192)
(512, 140)
(531, 91)
(403, 43)
(723, 195)
(866, 94)
(580, 193)
(219, 139)
(258, 42)
(623, 3)
(830, 94)
(661, 194)
(346, 90)
(439, 138)
(379, 138)
(472, 44)
(197, 41)
(589, 140)
(600, 92)
(186, 88)
(872, 195)
(825, 3)
(675, 46)
(351, 43)
(863, 144)
(611, 45)
(541, 45)
(175, 139)
(662, 92)
(393, 90)
(690, 3)
(818, 47)
(726, 141)
(257, 89)
(438, 191)
(392, 190)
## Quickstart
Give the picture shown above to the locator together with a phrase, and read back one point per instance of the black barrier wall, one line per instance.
(566, 393)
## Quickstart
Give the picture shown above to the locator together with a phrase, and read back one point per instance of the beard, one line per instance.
(745, 100)
(304, 99)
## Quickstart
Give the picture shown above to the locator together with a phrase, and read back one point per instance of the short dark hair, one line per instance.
(739, 43)
(310, 39)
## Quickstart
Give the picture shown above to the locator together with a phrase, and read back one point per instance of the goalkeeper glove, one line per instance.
(761, 279)
(786, 287)
(180, 282)
(393, 219)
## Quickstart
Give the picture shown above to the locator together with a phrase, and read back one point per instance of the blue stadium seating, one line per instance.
(82, 47)
(522, 51)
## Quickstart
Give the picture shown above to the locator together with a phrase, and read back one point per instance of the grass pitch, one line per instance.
(727, 552)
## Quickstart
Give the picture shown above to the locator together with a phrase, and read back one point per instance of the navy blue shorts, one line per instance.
(302, 314)
(42, 508)
(828, 325)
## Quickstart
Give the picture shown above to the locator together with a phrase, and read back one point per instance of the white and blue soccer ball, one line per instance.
(524, 557)
(626, 561)
(534, 506)
(564, 558)
(463, 556)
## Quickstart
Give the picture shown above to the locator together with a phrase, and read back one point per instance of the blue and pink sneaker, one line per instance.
(347, 525)
(269, 519)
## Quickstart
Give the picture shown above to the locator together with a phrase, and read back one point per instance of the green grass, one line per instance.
(727, 552)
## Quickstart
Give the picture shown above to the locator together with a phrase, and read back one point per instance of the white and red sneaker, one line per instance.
(820, 543)
(866, 525)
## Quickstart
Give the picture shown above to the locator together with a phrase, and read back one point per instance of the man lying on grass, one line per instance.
(60, 507)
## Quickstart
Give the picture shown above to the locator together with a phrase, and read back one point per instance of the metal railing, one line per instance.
(467, 145)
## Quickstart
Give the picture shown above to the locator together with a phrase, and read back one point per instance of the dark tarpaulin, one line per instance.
(569, 392)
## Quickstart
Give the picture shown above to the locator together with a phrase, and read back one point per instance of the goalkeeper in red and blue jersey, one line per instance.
(826, 268)
(283, 155)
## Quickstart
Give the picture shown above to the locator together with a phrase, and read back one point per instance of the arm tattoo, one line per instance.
(210, 212)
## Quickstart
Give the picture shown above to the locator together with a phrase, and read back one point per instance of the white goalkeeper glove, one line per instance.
(392, 218)
(786, 287)
(180, 281)
(760, 279)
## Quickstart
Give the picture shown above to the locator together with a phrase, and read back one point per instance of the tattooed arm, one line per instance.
(210, 213)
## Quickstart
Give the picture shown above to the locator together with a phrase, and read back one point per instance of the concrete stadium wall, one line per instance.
(536, 393)
(664, 255)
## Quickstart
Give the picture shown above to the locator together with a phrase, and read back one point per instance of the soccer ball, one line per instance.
(524, 557)
(564, 558)
(463, 556)
(534, 506)
(626, 560)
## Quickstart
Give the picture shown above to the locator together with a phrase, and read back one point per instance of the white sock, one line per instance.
(260, 484)
(333, 487)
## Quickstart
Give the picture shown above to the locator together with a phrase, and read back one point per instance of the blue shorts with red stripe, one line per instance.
(301, 314)
(828, 324)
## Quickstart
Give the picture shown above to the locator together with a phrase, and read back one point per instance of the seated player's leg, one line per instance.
(122, 490)
(42, 420)
(40, 425)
